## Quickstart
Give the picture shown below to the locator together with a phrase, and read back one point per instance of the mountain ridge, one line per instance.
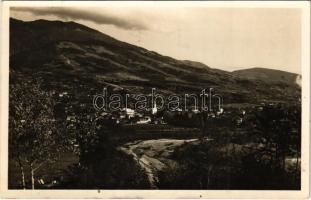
(99, 32)
(66, 51)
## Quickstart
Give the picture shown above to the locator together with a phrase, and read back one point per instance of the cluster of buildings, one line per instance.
(131, 116)
(151, 116)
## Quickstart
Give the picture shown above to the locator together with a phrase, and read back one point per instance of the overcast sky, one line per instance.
(224, 38)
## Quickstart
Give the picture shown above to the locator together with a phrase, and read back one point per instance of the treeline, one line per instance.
(40, 134)
(262, 152)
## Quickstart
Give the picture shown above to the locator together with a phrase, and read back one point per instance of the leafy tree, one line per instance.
(35, 138)
(277, 130)
(88, 130)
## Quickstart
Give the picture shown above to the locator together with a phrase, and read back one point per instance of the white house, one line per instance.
(129, 112)
(221, 111)
(145, 120)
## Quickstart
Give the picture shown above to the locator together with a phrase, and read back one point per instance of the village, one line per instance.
(160, 116)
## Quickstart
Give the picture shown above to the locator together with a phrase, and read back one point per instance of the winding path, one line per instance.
(153, 155)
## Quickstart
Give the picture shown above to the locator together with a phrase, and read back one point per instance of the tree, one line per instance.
(34, 136)
(278, 130)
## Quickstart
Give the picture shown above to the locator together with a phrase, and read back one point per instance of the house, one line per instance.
(211, 115)
(139, 115)
(144, 120)
(195, 110)
(71, 118)
(103, 114)
(128, 112)
(159, 121)
(221, 111)
(62, 94)
(123, 116)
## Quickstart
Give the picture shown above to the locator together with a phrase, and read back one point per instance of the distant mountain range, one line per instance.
(268, 75)
(67, 53)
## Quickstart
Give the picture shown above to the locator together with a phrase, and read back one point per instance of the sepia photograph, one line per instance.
(155, 96)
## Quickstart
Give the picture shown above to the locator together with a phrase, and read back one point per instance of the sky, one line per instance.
(223, 38)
